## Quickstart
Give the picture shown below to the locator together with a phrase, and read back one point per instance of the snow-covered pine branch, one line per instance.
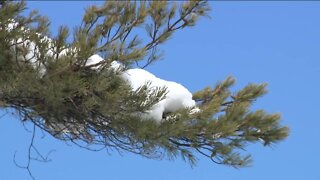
(75, 95)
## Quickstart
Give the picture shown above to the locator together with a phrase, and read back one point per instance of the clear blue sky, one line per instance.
(273, 42)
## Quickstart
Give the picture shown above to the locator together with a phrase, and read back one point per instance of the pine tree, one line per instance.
(96, 109)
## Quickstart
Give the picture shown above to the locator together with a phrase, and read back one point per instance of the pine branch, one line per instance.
(96, 109)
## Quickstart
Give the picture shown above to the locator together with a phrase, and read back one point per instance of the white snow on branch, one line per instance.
(177, 97)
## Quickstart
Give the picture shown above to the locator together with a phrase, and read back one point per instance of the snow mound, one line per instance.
(177, 97)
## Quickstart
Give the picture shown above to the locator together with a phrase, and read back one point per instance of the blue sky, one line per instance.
(273, 42)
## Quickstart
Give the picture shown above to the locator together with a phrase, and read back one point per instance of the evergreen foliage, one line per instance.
(97, 109)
